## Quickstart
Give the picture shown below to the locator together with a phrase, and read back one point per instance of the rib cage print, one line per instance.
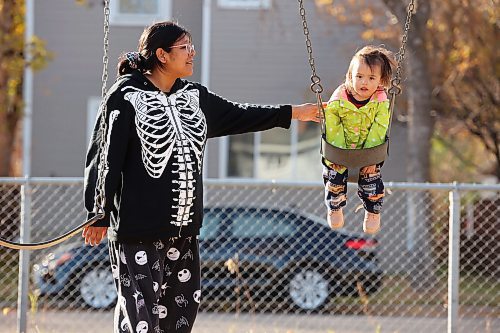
(171, 127)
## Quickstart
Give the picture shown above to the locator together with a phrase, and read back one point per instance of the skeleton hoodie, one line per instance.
(154, 154)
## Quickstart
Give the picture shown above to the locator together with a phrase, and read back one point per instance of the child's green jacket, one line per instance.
(353, 128)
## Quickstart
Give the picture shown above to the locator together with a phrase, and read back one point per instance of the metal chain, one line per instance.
(316, 81)
(105, 58)
(395, 88)
(100, 199)
(316, 86)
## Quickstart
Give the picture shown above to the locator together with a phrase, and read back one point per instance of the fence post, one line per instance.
(453, 260)
(24, 258)
(411, 218)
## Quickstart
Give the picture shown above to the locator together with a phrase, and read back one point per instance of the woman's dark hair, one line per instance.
(159, 35)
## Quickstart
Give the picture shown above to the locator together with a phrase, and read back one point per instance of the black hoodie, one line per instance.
(154, 154)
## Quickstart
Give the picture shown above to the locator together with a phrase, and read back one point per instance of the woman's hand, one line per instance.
(94, 235)
(306, 112)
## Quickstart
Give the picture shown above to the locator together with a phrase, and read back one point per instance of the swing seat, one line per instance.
(354, 159)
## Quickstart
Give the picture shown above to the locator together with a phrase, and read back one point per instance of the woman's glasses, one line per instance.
(188, 47)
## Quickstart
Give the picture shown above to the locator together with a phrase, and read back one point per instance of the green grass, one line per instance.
(479, 291)
(478, 295)
(474, 291)
(9, 270)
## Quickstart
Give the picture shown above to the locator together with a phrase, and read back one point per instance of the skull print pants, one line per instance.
(158, 285)
(370, 189)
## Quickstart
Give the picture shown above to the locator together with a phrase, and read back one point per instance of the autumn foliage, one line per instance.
(461, 41)
(12, 65)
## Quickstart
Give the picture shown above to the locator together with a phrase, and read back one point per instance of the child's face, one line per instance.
(365, 81)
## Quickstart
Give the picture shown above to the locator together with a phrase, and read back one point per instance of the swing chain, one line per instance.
(100, 198)
(316, 86)
(105, 57)
(395, 88)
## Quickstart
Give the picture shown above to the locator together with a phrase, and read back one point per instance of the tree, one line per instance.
(460, 86)
(12, 65)
(466, 75)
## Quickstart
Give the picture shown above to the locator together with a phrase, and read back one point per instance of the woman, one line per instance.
(157, 127)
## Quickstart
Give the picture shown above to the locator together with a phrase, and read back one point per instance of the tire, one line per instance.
(96, 288)
(308, 289)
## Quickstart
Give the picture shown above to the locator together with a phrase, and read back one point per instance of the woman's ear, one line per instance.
(161, 55)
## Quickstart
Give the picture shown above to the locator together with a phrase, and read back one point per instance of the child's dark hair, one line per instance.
(372, 56)
(159, 35)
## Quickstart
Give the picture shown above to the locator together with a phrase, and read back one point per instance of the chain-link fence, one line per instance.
(271, 264)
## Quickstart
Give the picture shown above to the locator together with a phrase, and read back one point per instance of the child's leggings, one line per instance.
(158, 285)
(370, 189)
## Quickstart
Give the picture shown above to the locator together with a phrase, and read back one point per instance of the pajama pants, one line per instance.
(158, 285)
(370, 189)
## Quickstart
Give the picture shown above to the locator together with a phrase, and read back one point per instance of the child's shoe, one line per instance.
(371, 223)
(336, 219)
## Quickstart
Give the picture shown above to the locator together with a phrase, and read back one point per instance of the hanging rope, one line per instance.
(100, 198)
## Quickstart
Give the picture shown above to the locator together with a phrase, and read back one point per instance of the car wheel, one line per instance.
(308, 289)
(97, 288)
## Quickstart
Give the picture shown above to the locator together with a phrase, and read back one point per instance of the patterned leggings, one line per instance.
(370, 189)
(158, 285)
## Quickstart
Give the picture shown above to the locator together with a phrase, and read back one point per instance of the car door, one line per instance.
(215, 248)
(261, 239)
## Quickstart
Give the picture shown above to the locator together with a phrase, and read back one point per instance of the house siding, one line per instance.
(260, 56)
(74, 33)
(257, 56)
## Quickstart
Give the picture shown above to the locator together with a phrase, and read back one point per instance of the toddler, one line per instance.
(356, 117)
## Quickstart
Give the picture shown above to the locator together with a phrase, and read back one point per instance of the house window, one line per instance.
(139, 12)
(276, 154)
(244, 4)
(93, 104)
(240, 162)
(307, 158)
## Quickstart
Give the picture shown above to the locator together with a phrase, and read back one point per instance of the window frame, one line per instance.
(93, 103)
(244, 4)
(283, 228)
(224, 147)
(121, 19)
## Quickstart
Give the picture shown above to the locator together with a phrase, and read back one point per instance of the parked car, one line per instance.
(77, 272)
(284, 255)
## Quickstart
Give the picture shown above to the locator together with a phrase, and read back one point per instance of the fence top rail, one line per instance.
(391, 185)
(41, 180)
(263, 183)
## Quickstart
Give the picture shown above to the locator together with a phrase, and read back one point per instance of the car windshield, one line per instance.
(263, 224)
(249, 223)
(211, 225)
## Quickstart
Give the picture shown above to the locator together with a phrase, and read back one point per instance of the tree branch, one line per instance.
(456, 152)
(397, 8)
